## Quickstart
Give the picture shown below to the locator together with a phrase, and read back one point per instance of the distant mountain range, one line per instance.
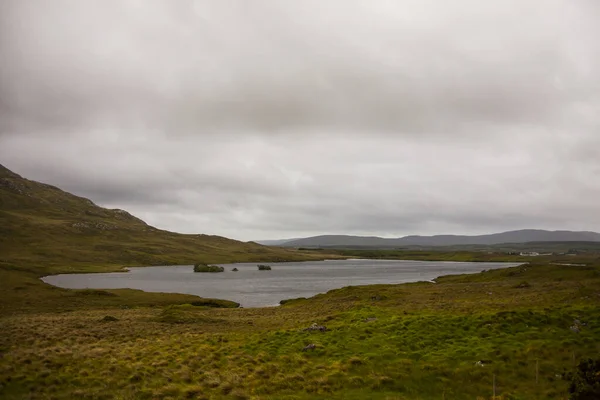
(519, 236)
(277, 242)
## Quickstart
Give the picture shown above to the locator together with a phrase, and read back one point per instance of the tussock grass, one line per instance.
(418, 341)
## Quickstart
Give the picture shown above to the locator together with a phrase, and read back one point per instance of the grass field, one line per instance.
(516, 329)
(411, 341)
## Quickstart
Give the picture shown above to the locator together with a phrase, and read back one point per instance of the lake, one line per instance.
(253, 288)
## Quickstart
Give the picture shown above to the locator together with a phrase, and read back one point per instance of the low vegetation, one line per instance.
(524, 333)
(450, 339)
(199, 267)
(585, 381)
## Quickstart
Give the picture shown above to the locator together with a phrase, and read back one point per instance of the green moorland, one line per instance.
(413, 341)
(520, 327)
(44, 230)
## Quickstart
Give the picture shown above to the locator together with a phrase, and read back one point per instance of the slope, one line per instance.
(48, 230)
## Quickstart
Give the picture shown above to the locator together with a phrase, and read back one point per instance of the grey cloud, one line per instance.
(284, 118)
(280, 65)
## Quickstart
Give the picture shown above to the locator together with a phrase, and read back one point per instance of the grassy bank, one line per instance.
(412, 341)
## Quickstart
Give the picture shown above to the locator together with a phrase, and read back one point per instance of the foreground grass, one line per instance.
(412, 341)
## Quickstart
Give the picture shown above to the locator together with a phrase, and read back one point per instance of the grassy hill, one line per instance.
(44, 230)
(50, 230)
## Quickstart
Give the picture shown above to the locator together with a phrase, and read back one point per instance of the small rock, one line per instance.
(311, 346)
(575, 329)
(480, 364)
(315, 327)
(371, 319)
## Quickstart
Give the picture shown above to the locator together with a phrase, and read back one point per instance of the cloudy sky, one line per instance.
(280, 118)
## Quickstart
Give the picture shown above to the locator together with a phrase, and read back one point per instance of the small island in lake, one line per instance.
(235, 269)
(200, 267)
(262, 267)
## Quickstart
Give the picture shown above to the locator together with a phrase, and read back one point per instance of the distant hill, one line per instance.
(275, 242)
(519, 236)
(42, 225)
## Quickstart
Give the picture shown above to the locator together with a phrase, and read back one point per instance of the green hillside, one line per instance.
(44, 230)
(49, 230)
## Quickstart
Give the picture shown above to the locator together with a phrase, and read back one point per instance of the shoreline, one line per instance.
(278, 303)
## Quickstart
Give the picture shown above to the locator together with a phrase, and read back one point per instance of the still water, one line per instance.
(253, 288)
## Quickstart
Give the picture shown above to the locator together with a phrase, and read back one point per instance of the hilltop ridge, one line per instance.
(516, 236)
(42, 225)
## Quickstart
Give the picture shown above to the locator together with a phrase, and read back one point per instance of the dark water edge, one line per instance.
(253, 288)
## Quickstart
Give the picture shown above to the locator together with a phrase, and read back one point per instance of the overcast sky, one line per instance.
(284, 118)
